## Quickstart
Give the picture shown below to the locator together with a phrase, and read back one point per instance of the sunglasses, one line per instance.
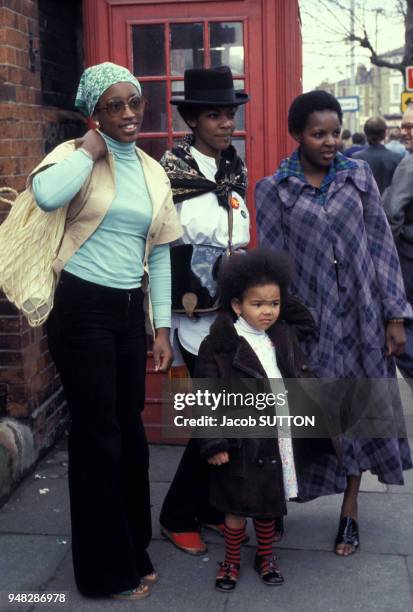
(116, 106)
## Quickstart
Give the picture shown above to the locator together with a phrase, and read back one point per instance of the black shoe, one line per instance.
(227, 576)
(348, 533)
(268, 570)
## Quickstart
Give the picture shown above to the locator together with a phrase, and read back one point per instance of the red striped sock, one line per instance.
(265, 532)
(233, 539)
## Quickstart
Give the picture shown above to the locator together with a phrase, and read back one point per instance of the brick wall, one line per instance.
(20, 112)
(35, 115)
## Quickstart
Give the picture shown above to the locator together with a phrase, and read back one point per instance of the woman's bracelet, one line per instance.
(395, 321)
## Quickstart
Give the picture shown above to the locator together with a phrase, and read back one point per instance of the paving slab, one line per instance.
(322, 582)
(409, 563)
(185, 585)
(38, 506)
(163, 462)
(27, 563)
(406, 394)
(313, 525)
(314, 581)
(369, 482)
(385, 522)
(409, 425)
(380, 577)
(158, 492)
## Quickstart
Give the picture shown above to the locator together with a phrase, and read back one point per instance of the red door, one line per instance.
(158, 39)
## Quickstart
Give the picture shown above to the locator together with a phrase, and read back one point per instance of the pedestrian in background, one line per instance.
(381, 160)
(345, 142)
(359, 142)
(325, 211)
(120, 221)
(398, 205)
(394, 141)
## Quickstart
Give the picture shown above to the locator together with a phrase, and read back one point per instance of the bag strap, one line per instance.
(230, 223)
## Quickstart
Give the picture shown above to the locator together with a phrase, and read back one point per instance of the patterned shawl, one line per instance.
(188, 182)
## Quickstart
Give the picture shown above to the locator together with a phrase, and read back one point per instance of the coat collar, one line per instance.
(246, 360)
(291, 181)
(224, 339)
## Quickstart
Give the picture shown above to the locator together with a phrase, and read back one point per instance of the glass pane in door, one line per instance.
(226, 41)
(155, 119)
(187, 47)
(239, 144)
(145, 37)
(240, 116)
(178, 124)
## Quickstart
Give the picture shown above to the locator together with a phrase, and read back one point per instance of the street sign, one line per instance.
(409, 78)
(406, 100)
(349, 104)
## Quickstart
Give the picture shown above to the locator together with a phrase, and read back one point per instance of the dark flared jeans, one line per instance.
(97, 339)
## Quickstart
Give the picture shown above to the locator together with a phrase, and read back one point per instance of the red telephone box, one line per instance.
(158, 39)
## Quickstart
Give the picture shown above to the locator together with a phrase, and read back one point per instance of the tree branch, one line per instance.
(375, 59)
(408, 42)
(402, 8)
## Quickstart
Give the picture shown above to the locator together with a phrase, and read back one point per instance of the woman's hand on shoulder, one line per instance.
(219, 459)
(93, 143)
(395, 338)
(162, 350)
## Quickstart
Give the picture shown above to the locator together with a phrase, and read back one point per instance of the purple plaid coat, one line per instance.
(347, 273)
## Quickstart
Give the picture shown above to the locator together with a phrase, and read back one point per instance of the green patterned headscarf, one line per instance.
(96, 80)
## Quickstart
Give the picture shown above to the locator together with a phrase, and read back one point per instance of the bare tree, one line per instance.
(337, 26)
(406, 9)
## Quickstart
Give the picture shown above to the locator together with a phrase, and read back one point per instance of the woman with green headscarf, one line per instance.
(120, 221)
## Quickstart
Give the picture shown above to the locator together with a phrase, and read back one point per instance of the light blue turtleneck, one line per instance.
(113, 255)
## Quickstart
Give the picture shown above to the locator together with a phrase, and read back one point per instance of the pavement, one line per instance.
(35, 554)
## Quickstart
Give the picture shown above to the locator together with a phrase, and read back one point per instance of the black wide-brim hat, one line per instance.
(210, 87)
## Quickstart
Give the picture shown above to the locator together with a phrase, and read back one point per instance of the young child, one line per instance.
(255, 335)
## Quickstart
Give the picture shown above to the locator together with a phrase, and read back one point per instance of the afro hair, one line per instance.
(253, 268)
(308, 103)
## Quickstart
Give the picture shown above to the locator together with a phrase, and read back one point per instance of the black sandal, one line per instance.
(348, 533)
(268, 570)
(227, 576)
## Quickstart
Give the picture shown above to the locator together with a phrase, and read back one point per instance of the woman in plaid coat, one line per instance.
(325, 211)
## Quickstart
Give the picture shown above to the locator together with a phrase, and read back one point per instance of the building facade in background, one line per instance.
(379, 91)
